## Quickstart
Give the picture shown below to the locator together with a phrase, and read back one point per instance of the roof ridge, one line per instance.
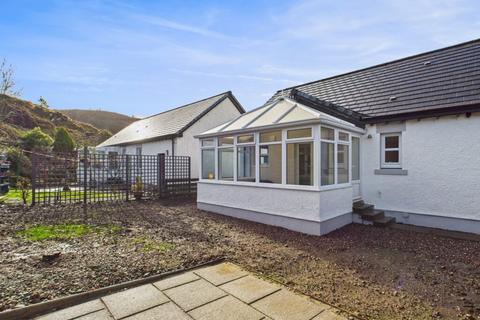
(382, 64)
(188, 104)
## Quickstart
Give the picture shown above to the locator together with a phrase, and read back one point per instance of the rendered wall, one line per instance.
(442, 157)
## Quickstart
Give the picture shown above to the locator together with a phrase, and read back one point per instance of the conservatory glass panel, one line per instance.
(327, 164)
(342, 163)
(300, 163)
(271, 163)
(299, 133)
(225, 164)
(246, 163)
(208, 164)
(271, 136)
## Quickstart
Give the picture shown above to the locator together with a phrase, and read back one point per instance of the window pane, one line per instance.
(207, 143)
(300, 163)
(391, 142)
(271, 136)
(342, 163)
(246, 164)
(225, 141)
(328, 134)
(392, 157)
(225, 164)
(299, 133)
(327, 165)
(343, 136)
(245, 139)
(355, 158)
(271, 163)
(208, 164)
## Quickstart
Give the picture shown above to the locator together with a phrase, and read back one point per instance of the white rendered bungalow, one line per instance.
(403, 136)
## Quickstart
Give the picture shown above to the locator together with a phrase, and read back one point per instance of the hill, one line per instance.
(18, 116)
(107, 120)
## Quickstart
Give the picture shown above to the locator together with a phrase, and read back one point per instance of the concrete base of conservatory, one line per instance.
(300, 225)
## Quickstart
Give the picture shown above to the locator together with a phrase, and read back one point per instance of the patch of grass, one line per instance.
(63, 231)
(149, 245)
(60, 231)
(56, 196)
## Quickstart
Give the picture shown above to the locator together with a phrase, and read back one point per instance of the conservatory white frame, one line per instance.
(315, 138)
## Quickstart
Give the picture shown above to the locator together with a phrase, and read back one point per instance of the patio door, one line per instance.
(356, 168)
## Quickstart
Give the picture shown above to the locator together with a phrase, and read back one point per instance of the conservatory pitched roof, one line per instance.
(281, 112)
(168, 124)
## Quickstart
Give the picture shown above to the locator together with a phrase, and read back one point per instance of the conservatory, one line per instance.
(283, 164)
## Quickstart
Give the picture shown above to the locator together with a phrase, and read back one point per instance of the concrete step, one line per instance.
(384, 221)
(372, 215)
(362, 207)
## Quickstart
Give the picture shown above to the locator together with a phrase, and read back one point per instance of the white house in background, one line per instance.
(402, 136)
(172, 132)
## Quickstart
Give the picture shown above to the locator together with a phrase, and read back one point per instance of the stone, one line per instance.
(175, 281)
(166, 311)
(249, 288)
(289, 306)
(226, 308)
(97, 315)
(194, 294)
(128, 302)
(75, 311)
(329, 315)
(221, 273)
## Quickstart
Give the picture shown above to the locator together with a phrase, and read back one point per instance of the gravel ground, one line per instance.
(371, 272)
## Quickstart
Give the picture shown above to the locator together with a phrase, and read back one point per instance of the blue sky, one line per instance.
(143, 57)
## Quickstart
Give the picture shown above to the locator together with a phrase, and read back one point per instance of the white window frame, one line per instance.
(336, 141)
(282, 155)
(215, 152)
(300, 140)
(383, 150)
(245, 144)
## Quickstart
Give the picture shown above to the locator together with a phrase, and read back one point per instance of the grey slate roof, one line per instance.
(444, 79)
(169, 123)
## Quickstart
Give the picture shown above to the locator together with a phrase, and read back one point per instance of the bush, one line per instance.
(63, 141)
(20, 164)
(36, 139)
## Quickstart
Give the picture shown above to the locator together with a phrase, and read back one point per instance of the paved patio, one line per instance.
(223, 291)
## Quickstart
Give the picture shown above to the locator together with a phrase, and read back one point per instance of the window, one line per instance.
(246, 139)
(271, 163)
(327, 134)
(300, 163)
(246, 163)
(208, 164)
(342, 163)
(327, 163)
(299, 133)
(271, 136)
(391, 155)
(225, 141)
(208, 143)
(343, 136)
(225, 164)
(355, 158)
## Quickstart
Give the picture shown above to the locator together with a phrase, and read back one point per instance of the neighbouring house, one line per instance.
(172, 132)
(402, 136)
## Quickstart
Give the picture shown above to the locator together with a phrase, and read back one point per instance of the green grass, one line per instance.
(50, 197)
(63, 231)
(148, 245)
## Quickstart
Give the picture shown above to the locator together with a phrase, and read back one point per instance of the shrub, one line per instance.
(36, 139)
(20, 164)
(63, 141)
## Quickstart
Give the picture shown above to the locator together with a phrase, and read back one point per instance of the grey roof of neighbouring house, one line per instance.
(168, 124)
(444, 81)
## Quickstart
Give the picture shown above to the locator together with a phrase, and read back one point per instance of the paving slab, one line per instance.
(226, 308)
(176, 281)
(249, 288)
(75, 311)
(128, 302)
(221, 273)
(166, 311)
(287, 305)
(97, 315)
(194, 294)
(329, 315)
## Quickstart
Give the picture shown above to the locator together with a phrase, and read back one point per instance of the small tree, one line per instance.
(23, 184)
(20, 164)
(43, 102)
(36, 139)
(7, 83)
(63, 141)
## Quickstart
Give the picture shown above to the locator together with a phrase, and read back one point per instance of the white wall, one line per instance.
(187, 145)
(442, 157)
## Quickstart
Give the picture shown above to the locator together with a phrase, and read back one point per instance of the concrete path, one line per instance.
(223, 291)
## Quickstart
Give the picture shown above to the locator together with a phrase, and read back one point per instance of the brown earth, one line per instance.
(372, 273)
(110, 121)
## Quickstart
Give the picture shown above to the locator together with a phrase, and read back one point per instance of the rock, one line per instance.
(51, 257)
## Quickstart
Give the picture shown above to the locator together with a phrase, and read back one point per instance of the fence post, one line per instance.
(127, 177)
(34, 177)
(161, 174)
(85, 165)
(189, 175)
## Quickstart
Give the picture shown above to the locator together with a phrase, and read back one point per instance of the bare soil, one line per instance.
(372, 273)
